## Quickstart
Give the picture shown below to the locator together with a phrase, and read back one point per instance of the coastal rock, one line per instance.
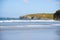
(57, 15)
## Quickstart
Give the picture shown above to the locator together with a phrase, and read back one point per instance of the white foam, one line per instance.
(27, 21)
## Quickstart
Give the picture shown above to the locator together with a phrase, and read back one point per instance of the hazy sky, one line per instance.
(16, 8)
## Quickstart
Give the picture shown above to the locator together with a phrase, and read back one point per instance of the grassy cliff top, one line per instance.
(41, 15)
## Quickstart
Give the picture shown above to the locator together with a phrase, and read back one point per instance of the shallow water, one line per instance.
(30, 30)
(30, 34)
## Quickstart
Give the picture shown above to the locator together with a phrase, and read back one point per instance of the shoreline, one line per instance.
(26, 21)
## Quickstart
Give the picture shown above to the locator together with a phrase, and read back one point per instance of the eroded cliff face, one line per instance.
(57, 15)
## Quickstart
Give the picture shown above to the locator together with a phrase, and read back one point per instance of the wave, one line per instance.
(27, 21)
(32, 26)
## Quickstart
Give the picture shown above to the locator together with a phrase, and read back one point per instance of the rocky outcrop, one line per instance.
(57, 15)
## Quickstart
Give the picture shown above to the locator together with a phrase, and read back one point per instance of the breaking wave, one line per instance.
(33, 24)
(27, 21)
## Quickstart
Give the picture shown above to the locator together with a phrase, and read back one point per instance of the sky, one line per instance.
(16, 8)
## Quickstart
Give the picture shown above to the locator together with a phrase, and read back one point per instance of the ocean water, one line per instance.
(29, 30)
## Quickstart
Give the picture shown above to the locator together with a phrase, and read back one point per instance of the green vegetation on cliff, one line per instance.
(42, 16)
(39, 16)
(55, 16)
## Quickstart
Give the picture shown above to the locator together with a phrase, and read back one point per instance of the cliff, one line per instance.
(55, 16)
(38, 16)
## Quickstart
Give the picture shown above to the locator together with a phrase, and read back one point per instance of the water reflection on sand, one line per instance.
(58, 33)
(30, 34)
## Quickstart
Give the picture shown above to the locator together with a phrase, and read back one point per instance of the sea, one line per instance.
(29, 30)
